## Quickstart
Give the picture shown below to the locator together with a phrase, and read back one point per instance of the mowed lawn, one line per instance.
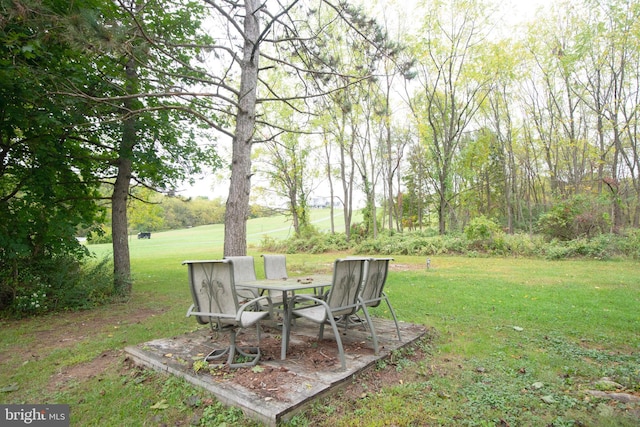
(512, 342)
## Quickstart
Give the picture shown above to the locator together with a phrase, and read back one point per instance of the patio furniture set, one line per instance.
(228, 296)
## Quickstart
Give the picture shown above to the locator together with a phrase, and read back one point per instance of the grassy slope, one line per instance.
(501, 325)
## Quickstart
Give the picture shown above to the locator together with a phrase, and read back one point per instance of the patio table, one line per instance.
(286, 286)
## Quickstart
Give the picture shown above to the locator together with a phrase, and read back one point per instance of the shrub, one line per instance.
(630, 244)
(580, 216)
(481, 232)
(269, 244)
(604, 246)
(55, 284)
(311, 241)
(413, 243)
(556, 251)
(33, 299)
(523, 245)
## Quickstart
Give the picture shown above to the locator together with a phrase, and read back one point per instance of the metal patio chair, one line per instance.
(215, 303)
(244, 270)
(341, 300)
(372, 293)
(275, 266)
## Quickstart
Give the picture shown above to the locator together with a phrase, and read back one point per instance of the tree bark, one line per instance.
(119, 222)
(120, 234)
(237, 207)
(327, 151)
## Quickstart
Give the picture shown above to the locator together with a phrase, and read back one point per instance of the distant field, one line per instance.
(208, 240)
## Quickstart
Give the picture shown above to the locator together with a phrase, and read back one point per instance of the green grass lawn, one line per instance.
(513, 342)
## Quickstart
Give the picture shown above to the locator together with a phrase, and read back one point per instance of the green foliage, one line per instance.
(603, 246)
(428, 243)
(482, 232)
(100, 234)
(46, 190)
(219, 415)
(145, 212)
(416, 243)
(317, 243)
(159, 213)
(269, 244)
(579, 216)
(55, 284)
(521, 245)
(629, 244)
(32, 300)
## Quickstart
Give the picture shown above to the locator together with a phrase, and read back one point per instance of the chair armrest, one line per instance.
(255, 302)
(306, 297)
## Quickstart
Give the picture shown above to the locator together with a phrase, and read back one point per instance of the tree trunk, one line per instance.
(331, 195)
(119, 223)
(237, 207)
(120, 234)
(442, 207)
(346, 178)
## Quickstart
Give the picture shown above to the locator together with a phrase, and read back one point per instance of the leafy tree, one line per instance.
(111, 78)
(452, 88)
(416, 199)
(46, 186)
(289, 174)
(148, 121)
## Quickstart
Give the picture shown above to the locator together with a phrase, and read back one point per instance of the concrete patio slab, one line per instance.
(275, 390)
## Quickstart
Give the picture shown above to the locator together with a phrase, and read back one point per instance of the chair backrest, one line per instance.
(375, 277)
(213, 290)
(275, 266)
(347, 278)
(244, 270)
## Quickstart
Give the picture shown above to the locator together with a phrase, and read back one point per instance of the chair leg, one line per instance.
(251, 353)
(374, 337)
(336, 332)
(395, 319)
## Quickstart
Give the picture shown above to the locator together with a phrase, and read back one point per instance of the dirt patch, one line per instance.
(406, 267)
(48, 334)
(84, 371)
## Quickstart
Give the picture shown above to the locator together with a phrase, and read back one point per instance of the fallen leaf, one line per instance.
(9, 388)
(160, 405)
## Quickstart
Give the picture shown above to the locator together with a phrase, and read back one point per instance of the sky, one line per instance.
(213, 185)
